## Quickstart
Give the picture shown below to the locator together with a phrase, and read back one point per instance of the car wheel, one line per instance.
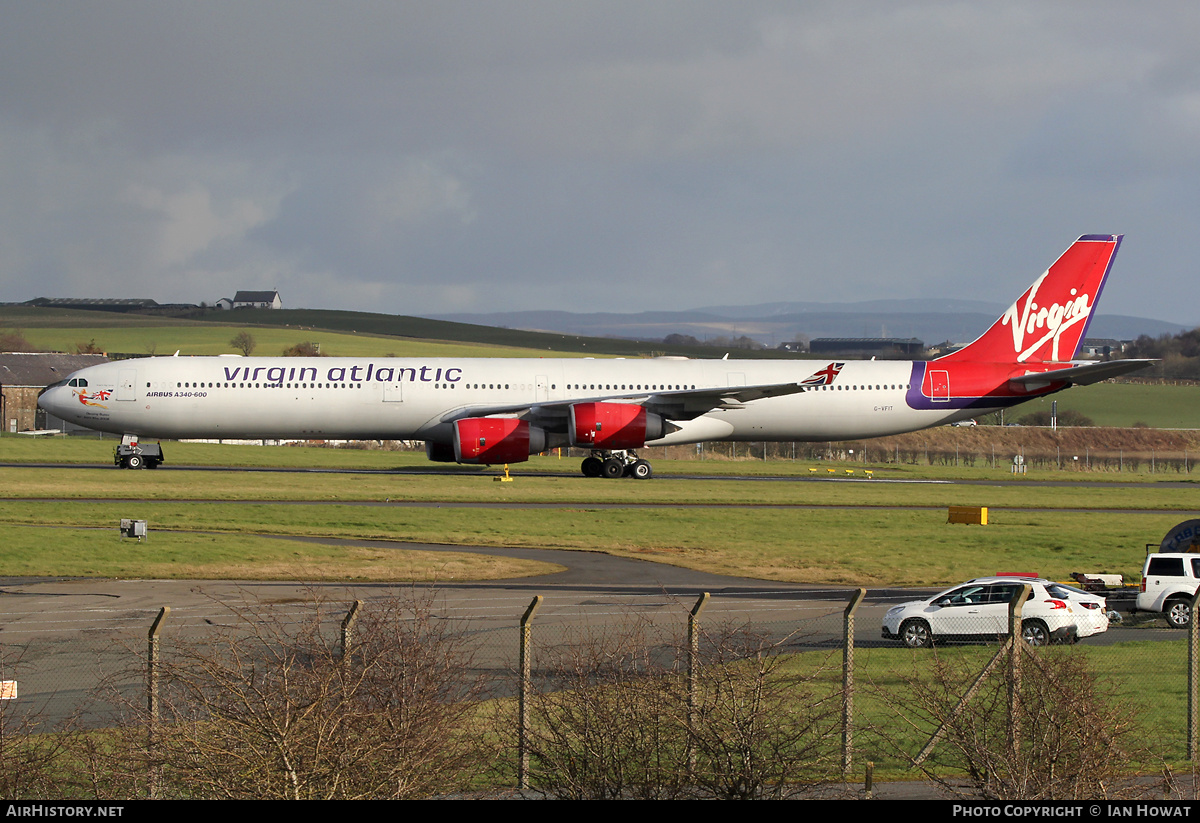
(1178, 614)
(134, 461)
(1035, 632)
(916, 634)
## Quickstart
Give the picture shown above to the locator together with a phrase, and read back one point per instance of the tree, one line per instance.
(244, 342)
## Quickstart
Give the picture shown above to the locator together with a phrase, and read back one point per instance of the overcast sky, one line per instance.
(433, 157)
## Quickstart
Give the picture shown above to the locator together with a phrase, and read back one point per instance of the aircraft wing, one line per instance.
(1082, 373)
(682, 404)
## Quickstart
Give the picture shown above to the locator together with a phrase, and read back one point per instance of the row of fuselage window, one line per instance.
(265, 385)
(570, 387)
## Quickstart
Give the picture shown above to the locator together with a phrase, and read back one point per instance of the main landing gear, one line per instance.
(615, 464)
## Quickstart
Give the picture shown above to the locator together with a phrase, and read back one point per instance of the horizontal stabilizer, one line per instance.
(1083, 374)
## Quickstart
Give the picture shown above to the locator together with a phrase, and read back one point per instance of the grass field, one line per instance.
(801, 531)
(209, 333)
(1126, 404)
(207, 339)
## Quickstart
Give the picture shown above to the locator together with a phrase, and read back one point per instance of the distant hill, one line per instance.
(959, 321)
(463, 332)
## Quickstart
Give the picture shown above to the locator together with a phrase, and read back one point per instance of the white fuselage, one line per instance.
(408, 398)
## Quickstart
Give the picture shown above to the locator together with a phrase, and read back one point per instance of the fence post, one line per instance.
(848, 678)
(1015, 607)
(348, 628)
(693, 675)
(1193, 659)
(523, 696)
(152, 698)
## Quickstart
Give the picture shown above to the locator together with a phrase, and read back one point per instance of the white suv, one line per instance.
(1169, 582)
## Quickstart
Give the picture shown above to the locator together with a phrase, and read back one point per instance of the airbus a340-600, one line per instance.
(494, 411)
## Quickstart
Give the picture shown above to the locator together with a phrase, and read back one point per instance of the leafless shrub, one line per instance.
(14, 340)
(274, 710)
(305, 349)
(605, 720)
(28, 755)
(1071, 737)
(765, 730)
(612, 720)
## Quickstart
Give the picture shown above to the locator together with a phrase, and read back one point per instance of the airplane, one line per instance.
(501, 411)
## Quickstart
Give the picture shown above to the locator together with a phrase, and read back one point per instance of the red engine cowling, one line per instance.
(496, 440)
(613, 426)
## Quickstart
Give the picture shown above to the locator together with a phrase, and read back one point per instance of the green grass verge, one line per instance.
(479, 487)
(45, 551)
(863, 547)
(1148, 677)
(17, 448)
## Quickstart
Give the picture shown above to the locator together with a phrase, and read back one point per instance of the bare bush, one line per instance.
(28, 758)
(612, 720)
(605, 720)
(765, 730)
(1070, 738)
(274, 710)
(305, 349)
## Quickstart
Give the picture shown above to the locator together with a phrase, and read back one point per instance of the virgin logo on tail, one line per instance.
(1055, 319)
(1047, 323)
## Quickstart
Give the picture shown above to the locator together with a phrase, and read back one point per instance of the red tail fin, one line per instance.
(1047, 323)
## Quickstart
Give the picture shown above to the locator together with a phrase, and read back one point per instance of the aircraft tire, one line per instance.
(592, 467)
(641, 470)
(613, 468)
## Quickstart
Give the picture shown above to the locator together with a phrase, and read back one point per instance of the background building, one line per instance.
(23, 375)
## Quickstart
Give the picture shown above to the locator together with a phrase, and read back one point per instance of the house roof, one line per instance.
(42, 369)
(255, 296)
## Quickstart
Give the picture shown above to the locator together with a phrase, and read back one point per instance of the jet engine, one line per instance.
(613, 426)
(439, 452)
(496, 440)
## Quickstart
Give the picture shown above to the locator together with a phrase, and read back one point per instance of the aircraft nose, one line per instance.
(51, 398)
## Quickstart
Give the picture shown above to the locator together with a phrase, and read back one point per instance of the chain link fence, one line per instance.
(769, 694)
